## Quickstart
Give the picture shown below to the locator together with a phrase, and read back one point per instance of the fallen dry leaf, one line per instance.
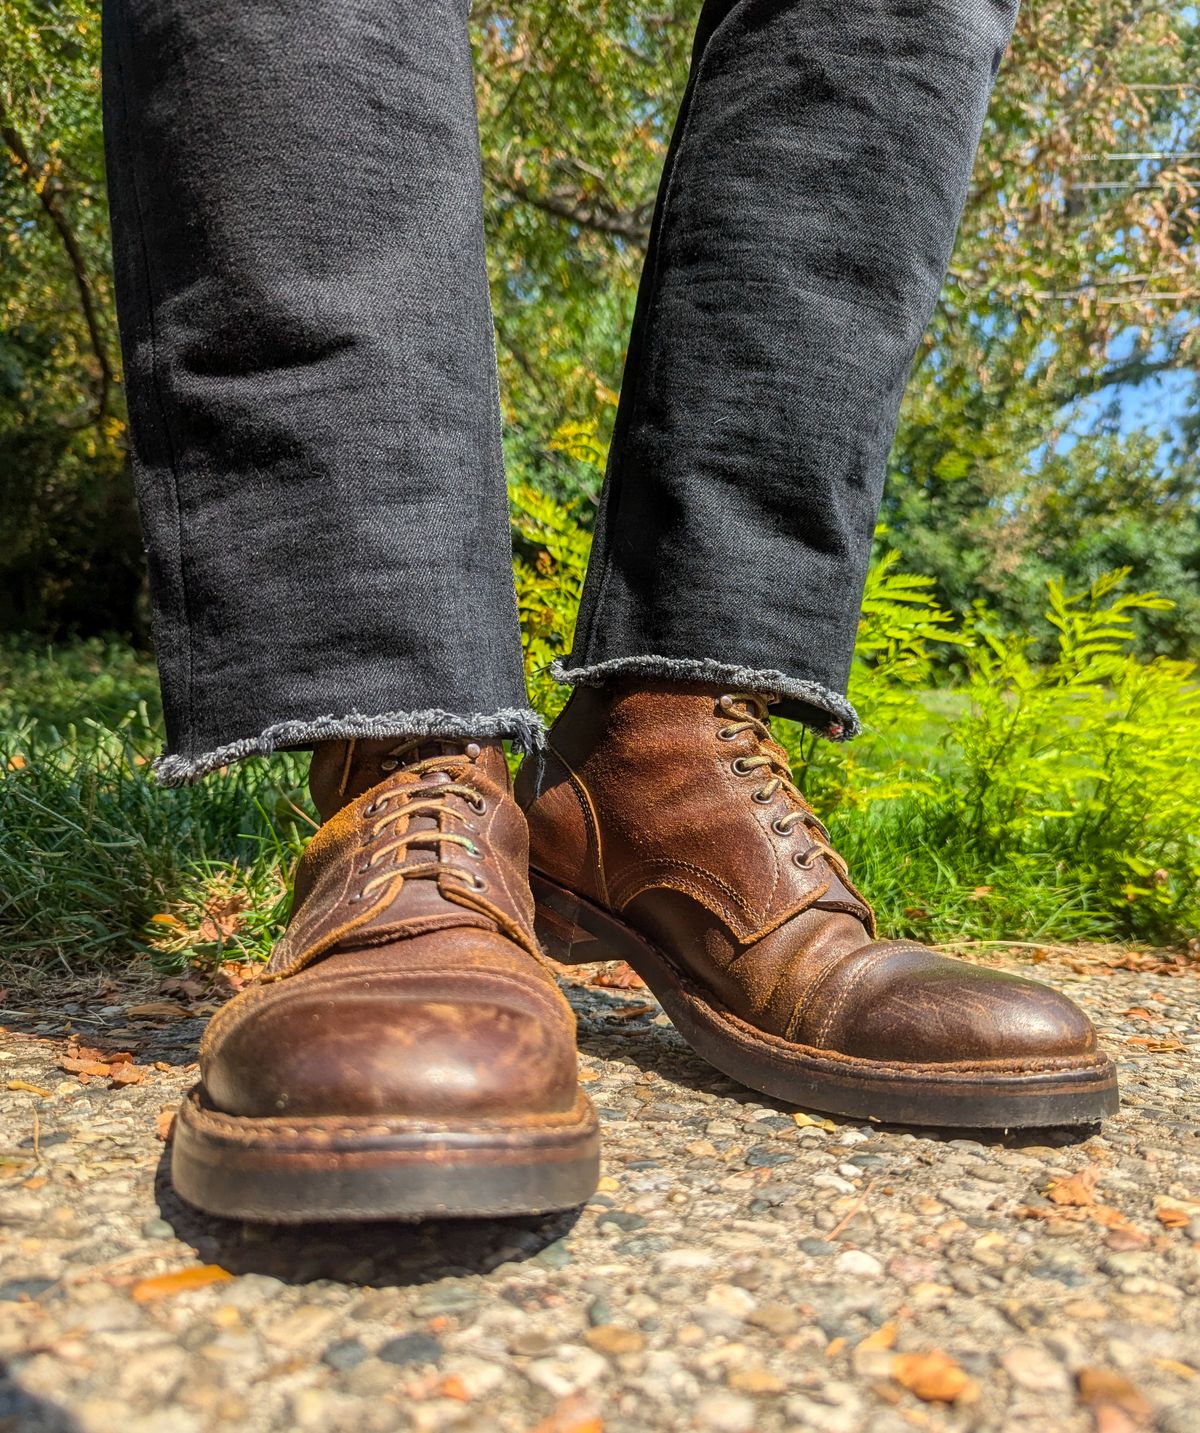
(452, 1386)
(883, 1337)
(83, 1067)
(1077, 1190)
(1122, 1233)
(87, 1062)
(934, 1377)
(86, 1052)
(222, 919)
(185, 985)
(1175, 1213)
(234, 976)
(1109, 1218)
(622, 976)
(1116, 1404)
(164, 1124)
(575, 1414)
(28, 1088)
(1158, 1046)
(215, 930)
(1050, 1211)
(812, 1122)
(629, 1012)
(161, 1286)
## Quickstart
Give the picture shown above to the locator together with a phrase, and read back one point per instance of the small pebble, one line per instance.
(857, 1264)
(412, 1348)
(344, 1355)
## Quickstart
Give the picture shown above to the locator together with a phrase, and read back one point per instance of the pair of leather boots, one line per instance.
(408, 1053)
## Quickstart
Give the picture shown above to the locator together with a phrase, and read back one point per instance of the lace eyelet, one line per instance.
(479, 807)
(355, 898)
(725, 734)
(479, 884)
(365, 867)
(739, 767)
(474, 852)
(779, 828)
(388, 764)
(761, 798)
(806, 860)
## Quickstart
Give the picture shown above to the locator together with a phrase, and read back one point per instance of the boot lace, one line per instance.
(750, 712)
(430, 798)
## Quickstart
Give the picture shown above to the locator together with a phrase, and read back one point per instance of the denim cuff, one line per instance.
(825, 712)
(521, 725)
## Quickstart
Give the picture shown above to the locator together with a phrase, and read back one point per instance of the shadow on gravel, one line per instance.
(23, 1413)
(386, 1254)
(659, 1050)
(174, 1043)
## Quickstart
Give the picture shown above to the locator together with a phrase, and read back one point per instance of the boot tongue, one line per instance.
(342, 771)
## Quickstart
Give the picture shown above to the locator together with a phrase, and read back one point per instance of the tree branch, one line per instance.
(629, 225)
(1130, 372)
(48, 197)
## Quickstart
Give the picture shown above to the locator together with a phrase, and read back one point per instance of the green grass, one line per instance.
(92, 851)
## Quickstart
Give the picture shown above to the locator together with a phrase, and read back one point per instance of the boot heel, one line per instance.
(556, 926)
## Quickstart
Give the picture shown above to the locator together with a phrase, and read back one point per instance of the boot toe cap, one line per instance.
(900, 1002)
(424, 1046)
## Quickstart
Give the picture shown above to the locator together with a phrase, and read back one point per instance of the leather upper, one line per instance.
(409, 981)
(670, 805)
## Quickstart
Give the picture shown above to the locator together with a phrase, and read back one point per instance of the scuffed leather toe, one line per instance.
(363, 1034)
(893, 1000)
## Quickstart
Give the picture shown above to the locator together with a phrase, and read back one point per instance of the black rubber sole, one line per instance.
(295, 1171)
(1041, 1095)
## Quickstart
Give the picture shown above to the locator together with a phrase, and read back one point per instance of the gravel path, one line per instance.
(740, 1270)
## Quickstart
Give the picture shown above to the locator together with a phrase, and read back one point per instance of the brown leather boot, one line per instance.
(665, 830)
(406, 1053)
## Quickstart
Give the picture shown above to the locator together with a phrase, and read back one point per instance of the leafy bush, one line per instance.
(1090, 763)
(1036, 801)
(550, 561)
(1042, 798)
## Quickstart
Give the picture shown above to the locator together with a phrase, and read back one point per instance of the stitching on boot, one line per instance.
(844, 721)
(521, 725)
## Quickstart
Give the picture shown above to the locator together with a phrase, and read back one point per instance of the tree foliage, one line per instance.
(1075, 281)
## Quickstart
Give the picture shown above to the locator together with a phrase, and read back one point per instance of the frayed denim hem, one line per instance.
(843, 720)
(521, 725)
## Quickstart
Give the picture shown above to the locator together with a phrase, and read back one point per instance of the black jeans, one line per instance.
(310, 362)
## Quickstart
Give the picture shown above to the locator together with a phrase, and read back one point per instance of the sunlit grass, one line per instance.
(100, 867)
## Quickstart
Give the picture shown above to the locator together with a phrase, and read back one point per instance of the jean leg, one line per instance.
(310, 363)
(805, 219)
